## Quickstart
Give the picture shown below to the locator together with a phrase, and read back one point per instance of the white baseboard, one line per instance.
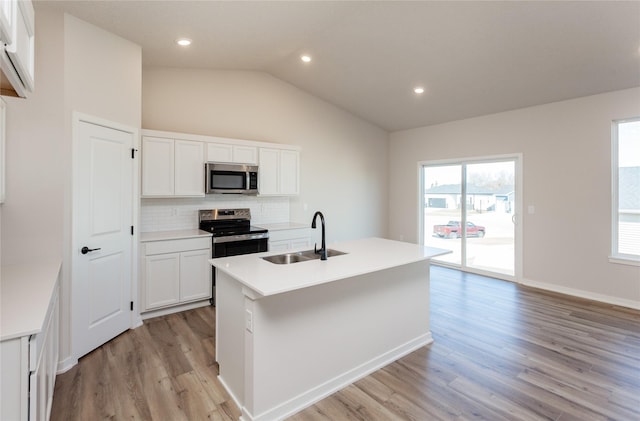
(174, 309)
(331, 386)
(607, 299)
(66, 365)
(233, 396)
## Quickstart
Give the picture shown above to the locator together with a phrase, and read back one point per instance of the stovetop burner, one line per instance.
(232, 235)
(228, 222)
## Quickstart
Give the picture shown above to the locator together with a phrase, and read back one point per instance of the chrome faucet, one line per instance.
(323, 251)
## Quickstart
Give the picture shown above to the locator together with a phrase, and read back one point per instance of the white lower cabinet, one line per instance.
(195, 275)
(162, 276)
(287, 239)
(43, 377)
(175, 272)
(29, 365)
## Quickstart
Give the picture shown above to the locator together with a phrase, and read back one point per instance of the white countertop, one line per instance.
(172, 235)
(364, 256)
(284, 226)
(25, 293)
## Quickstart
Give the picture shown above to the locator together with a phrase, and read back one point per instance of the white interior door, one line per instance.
(102, 239)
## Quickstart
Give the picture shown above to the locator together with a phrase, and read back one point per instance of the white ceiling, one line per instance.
(473, 58)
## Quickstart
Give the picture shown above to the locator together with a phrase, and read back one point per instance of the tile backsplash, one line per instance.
(182, 214)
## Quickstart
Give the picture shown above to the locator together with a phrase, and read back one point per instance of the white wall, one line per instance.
(103, 79)
(103, 73)
(78, 68)
(566, 150)
(37, 155)
(343, 158)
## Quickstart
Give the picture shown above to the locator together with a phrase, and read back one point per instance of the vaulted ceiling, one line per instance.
(472, 58)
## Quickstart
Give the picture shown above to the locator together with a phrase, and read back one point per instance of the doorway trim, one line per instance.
(518, 219)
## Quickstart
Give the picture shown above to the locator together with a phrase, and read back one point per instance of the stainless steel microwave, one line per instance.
(229, 178)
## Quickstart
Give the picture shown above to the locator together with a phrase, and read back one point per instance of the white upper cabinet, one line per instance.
(245, 154)
(269, 177)
(17, 29)
(189, 168)
(173, 163)
(7, 20)
(218, 152)
(172, 167)
(289, 172)
(158, 171)
(222, 152)
(279, 172)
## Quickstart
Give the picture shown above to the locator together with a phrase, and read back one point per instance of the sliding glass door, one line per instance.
(469, 207)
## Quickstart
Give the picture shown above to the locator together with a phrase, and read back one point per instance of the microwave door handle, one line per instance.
(247, 180)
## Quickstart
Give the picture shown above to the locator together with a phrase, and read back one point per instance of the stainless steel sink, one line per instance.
(300, 256)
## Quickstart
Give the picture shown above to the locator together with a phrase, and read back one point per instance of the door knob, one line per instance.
(85, 250)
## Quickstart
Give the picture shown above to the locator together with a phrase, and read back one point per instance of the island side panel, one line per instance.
(230, 325)
(311, 342)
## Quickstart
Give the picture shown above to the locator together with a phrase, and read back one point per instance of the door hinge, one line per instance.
(131, 305)
(133, 153)
(131, 229)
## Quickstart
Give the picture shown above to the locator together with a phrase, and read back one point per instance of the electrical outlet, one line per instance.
(248, 320)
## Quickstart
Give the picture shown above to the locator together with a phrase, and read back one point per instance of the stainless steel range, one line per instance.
(233, 235)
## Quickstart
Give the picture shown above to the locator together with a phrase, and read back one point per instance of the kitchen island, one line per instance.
(289, 335)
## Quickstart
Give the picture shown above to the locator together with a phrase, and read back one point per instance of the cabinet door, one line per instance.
(301, 242)
(7, 18)
(289, 172)
(52, 355)
(279, 172)
(279, 245)
(195, 275)
(218, 152)
(21, 51)
(14, 379)
(43, 360)
(245, 154)
(268, 179)
(162, 280)
(189, 168)
(157, 166)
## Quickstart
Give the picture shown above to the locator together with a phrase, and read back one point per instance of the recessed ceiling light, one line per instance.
(183, 42)
(305, 58)
(418, 90)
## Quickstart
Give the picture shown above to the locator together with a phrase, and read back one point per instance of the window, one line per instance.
(481, 193)
(625, 154)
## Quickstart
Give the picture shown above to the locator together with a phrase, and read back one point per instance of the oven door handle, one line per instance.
(241, 237)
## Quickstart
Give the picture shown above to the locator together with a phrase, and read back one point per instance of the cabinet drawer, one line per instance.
(175, 246)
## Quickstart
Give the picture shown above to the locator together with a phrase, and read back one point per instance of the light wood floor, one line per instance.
(501, 352)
